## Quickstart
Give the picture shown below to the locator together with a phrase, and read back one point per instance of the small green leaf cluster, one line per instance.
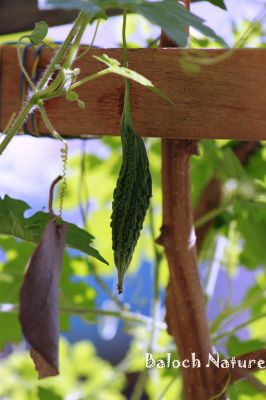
(39, 33)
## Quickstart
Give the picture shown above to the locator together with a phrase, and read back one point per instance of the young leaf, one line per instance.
(81, 104)
(116, 68)
(39, 33)
(30, 229)
(71, 95)
(39, 312)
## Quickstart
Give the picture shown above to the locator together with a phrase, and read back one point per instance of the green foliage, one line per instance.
(169, 15)
(116, 68)
(30, 229)
(243, 390)
(241, 219)
(39, 33)
(218, 3)
(83, 372)
(73, 294)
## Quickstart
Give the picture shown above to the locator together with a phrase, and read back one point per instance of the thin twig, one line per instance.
(51, 195)
(129, 316)
(238, 327)
(256, 383)
(254, 357)
(167, 387)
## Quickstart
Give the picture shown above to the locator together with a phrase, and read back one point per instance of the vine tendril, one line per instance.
(63, 156)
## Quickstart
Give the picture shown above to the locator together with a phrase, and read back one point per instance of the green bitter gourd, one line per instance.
(131, 197)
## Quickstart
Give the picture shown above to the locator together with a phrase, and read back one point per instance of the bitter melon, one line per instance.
(131, 197)
(134, 187)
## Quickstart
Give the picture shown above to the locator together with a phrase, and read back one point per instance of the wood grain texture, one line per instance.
(225, 100)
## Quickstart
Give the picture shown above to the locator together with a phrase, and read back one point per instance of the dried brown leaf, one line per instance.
(39, 311)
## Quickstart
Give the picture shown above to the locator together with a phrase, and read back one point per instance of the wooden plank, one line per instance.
(226, 100)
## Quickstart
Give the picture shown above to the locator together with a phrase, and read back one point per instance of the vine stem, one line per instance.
(31, 103)
(126, 110)
(76, 43)
(64, 154)
(237, 328)
(126, 315)
(92, 41)
(21, 63)
(90, 78)
(62, 50)
(16, 125)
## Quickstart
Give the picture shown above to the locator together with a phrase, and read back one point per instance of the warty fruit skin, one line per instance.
(130, 200)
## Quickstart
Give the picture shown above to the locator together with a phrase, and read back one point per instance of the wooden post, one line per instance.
(186, 315)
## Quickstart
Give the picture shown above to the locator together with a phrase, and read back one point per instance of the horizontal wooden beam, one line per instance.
(225, 100)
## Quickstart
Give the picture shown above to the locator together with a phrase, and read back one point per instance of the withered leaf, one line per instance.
(39, 311)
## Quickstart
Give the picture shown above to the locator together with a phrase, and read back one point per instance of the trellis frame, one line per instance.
(225, 101)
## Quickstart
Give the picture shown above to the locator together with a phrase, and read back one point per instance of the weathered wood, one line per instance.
(225, 100)
(186, 314)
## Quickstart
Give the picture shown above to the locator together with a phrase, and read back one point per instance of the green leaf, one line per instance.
(10, 329)
(30, 229)
(236, 347)
(231, 165)
(100, 15)
(71, 95)
(47, 394)
(81, 104)
(115, 68)
(174, 19)
(218, 3)
(252, 231)
(92, 7)
(111, 62)
(39, 33)
(169, 15)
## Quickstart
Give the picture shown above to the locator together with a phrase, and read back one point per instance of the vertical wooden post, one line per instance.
(186, 315)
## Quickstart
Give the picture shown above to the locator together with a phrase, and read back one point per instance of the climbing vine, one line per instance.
(50, 233)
